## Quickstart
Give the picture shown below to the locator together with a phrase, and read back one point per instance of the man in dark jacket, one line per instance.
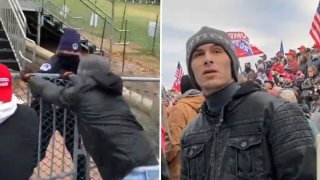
(242, 132)
(65, 60)
(110, 132)
(18, 133)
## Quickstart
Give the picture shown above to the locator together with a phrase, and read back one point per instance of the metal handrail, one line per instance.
(15, 34)
(52, 14)
(57, 6)
(136, 79)
(101, 16)
(21, 16)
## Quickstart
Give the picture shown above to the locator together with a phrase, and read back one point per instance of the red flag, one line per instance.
(315, 27)
(255, 51)
(179, 74)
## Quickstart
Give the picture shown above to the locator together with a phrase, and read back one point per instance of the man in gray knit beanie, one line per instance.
(206, 36)
(241, 132)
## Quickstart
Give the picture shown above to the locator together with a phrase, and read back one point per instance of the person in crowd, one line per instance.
(252, 76)
(276, 69)
(309, 54)
(302, 49)
(314, 59)
(292, 61)
(226, 141)
(269, 86)
(302, 61)
(19, 126)
(262, 76)
(66, 60)
(299, 78)
(261, 65)
(247, 69)
(181, 114)
(264, 57)
(287, 81)
(165, 140)
(110, 132)
(310, 86)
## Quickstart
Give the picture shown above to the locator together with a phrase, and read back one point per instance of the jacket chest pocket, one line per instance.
(246, 155)
(194, 155)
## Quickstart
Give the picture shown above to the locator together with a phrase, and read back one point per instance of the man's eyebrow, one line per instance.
(197, 50)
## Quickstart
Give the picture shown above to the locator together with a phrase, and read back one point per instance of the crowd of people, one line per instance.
(235, 105)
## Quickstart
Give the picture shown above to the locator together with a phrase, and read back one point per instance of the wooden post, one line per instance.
(124, 45)
(154, 36)
(104, 28)
(123, 16)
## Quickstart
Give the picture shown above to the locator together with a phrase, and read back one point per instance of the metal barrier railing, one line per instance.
(14, 23)
(62, 14)
(60, 151)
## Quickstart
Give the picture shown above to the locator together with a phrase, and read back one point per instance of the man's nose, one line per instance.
(208, 59)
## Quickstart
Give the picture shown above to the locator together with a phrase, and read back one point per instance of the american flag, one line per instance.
(315, 27)
(179, 74)
(281, 49)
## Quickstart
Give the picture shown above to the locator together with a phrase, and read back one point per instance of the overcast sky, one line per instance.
(266, 23)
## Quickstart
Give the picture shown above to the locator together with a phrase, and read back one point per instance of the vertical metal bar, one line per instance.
(124, 46)
(64, 136)
(64, 11)
(39, 139)
(123, 16)
(154, 36)
(104, 28)
(75, 149)
(87, 166)
(111, 31)
(39, 28)
(53, 136)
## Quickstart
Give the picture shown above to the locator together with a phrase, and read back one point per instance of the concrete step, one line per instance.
(7, 54)
(4, 44)
(3, 34)
(11, 63)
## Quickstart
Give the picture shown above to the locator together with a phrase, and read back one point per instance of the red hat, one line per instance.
(291, 52)
(299, 73)
(302, 48)
(287, 76)
(5, 84)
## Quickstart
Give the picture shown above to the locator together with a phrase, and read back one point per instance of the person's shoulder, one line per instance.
(26, 111)
(49, 65)
(274, 104)
(263, 98)
(193, 126)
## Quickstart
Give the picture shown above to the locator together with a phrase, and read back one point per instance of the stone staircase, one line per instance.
(7, 55)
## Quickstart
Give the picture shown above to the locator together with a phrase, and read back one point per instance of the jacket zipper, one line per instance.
(216, 131)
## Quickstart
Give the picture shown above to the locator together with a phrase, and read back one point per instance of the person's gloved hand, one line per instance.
(26, 75)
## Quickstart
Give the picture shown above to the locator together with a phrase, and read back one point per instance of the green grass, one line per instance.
(137, 15)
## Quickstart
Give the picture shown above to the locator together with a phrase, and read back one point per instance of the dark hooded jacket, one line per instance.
(18, 143)
(259, 137)
(110, 132)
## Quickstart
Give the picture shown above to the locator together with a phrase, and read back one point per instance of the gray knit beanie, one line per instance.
(209, 35)
(92, 65)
